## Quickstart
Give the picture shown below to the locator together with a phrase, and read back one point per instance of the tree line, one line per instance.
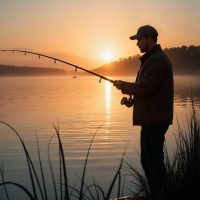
(10, 70)
(185, 61)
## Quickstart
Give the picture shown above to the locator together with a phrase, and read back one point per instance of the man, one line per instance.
(153, 93)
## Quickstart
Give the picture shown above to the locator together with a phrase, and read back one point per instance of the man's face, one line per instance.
(143, 44)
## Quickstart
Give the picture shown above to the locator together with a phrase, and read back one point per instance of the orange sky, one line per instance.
(93, 29)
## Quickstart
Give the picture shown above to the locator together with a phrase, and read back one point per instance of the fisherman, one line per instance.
(153, 93)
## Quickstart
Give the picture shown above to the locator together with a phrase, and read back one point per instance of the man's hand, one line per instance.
(118, 84)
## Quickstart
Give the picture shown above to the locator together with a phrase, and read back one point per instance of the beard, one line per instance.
(144, 49)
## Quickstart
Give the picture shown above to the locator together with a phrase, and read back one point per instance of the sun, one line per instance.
(107, 57)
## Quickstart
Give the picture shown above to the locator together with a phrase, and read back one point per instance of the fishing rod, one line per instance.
(55, 59)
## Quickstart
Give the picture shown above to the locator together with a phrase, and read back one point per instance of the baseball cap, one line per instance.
(145, 31)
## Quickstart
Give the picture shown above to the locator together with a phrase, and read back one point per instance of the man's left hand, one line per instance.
(118, 84)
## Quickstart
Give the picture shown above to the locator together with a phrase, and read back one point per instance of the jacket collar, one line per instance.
(153, 50)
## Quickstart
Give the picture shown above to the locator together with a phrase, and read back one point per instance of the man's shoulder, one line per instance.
(158, 54)
(161, 57)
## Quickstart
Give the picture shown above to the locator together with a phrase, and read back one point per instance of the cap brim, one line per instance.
(134, 37)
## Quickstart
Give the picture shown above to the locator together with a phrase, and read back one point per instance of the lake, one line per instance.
(80, 107)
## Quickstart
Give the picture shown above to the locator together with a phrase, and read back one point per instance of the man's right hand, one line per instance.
(118, 84)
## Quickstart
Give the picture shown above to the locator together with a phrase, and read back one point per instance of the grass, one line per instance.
(182, 179)
(183, 168)
(67, 192)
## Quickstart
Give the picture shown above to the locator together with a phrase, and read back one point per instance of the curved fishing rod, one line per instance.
(55, 59)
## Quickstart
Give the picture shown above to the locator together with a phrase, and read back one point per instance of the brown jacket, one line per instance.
(153, 90)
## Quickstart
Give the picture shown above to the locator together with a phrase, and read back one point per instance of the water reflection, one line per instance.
(108, 100)
(108, 108)
(30, 104)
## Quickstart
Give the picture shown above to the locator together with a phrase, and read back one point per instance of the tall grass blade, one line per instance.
(97, 187)
(29, 162)
(61, 184)
(2, 176)
(87, 189)
(115, 177)
(51, 169)
(72, 189)
(19, 186)
(123, 186)
(83, 176)
(66, 192)
(119, 184)
(41, 169)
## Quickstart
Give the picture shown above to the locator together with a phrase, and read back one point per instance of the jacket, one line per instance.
(153, 90)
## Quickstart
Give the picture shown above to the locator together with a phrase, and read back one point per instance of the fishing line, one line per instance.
(55, 60)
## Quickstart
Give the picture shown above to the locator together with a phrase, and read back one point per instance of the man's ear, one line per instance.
(149, 39)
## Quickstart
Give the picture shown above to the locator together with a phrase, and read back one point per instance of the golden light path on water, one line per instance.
(108, 106)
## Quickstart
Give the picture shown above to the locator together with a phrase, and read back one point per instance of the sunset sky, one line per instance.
(95, 30)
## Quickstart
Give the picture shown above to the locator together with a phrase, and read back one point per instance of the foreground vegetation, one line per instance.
(183, 169)
(62, 189)
(182, 180)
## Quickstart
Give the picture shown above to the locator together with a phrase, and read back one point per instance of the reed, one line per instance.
(182, 169)
(182, 178)
(67, 192)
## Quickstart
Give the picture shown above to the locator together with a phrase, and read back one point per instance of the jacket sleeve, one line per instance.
(152, 75)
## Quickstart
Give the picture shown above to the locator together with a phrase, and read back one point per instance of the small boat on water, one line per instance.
(74, 77)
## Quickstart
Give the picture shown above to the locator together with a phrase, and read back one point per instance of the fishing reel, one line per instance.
(127, 102)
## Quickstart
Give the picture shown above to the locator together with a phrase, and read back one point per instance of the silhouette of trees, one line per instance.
(122, 67)
(185, 61)
(9, 70)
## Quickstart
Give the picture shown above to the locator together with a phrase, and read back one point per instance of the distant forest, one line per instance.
(9, 70)
(185, 61)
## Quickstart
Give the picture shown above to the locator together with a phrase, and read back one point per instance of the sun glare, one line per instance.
(108, 56)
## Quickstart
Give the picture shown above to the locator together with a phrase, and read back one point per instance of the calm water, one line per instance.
(80, 106)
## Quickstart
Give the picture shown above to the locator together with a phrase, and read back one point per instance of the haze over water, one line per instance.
(80, 106)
